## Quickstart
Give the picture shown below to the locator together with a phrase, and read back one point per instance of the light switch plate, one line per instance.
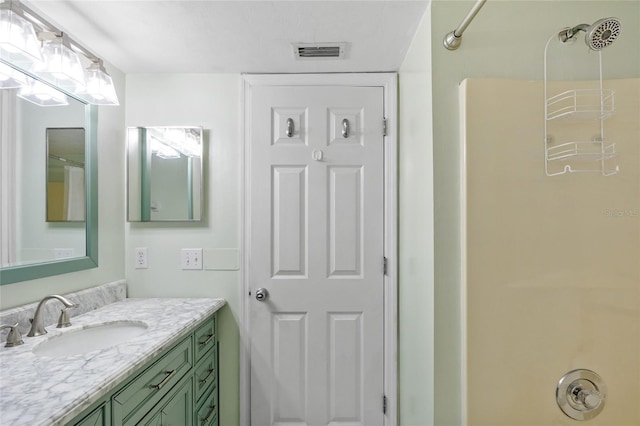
(191, 258)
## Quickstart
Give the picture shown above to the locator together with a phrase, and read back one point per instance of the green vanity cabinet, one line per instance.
(177, 387)
(206, 375)
(98, 417)
(177, 410)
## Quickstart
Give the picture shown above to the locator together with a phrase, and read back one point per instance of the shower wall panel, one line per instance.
(551, 264)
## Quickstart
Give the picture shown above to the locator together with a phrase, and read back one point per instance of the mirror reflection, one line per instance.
(30, 125)
(164, 174)
(65, 175)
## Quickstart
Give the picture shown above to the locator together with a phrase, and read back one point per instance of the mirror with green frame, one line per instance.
(48, 167)
(164, 174)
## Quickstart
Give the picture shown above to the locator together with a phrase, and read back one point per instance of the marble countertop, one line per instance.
(38, 390)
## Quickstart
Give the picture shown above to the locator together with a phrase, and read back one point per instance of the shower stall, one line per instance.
(546, 180)
(551, 269)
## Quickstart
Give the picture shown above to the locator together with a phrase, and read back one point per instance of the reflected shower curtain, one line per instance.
(74, 205)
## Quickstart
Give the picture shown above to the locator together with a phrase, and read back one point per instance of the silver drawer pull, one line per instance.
(164, 381)
(209, 337)
(211, 373)
(210, 415)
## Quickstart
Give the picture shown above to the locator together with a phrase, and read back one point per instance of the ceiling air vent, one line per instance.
(319, 50)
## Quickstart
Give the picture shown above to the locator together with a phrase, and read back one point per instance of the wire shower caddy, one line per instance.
(573, 156)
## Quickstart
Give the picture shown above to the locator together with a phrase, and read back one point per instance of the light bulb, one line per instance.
(93, 86)
(99, 88)
(61, 66)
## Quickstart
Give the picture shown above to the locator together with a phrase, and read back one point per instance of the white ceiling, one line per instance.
(205, 36)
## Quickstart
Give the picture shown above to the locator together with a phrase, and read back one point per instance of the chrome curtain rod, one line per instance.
(453, 39)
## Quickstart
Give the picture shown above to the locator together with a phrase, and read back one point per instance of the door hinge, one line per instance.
(384, 265)
(384, 404)
(384, 127)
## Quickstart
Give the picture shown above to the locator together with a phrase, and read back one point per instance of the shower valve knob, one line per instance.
(581, 394)
(590, 398)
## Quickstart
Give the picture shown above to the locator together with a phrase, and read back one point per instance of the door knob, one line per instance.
(262, 294)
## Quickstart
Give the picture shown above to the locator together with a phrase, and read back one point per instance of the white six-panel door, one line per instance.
(316, 240)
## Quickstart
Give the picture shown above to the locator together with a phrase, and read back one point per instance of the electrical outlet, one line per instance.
(63, 253)
(191, 258)
(141, 258)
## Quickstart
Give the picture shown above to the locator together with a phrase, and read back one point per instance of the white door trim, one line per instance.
(389, 83)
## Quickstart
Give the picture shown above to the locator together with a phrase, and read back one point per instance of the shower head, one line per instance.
(599, 35)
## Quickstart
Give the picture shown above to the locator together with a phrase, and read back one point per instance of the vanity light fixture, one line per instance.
(162, 150)
(10, 78)
(100, 89)
(175, 142)
(18, 42)
(61, 64)
(42, 94)
(186, 141)
(52, 55)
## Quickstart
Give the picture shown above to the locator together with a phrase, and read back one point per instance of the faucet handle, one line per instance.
(14, 338)
(63, 320)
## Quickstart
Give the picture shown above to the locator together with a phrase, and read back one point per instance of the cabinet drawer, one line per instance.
(131, 403)
(206, 372)
(207, 414)
(205, 336)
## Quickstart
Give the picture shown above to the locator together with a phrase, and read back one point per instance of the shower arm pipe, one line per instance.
(453, 39)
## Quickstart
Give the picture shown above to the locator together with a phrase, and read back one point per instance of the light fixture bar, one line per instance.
(65, 69)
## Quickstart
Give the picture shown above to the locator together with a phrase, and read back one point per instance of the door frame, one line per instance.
(389, 84)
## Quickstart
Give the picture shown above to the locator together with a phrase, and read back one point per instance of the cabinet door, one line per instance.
(154, 420)
(175, 409)
(149, 388)
(179, 409)
(96, 418)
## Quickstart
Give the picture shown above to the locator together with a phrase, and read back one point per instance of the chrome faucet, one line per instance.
(37, 323)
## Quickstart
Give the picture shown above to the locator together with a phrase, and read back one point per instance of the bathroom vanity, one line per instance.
(158, 365)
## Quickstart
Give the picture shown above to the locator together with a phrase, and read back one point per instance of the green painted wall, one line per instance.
(213, 102)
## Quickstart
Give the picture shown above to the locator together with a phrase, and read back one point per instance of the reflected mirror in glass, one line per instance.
(164, 174)
(65, 175)
(37, 138)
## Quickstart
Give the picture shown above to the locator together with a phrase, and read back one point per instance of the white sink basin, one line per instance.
(91, 338)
